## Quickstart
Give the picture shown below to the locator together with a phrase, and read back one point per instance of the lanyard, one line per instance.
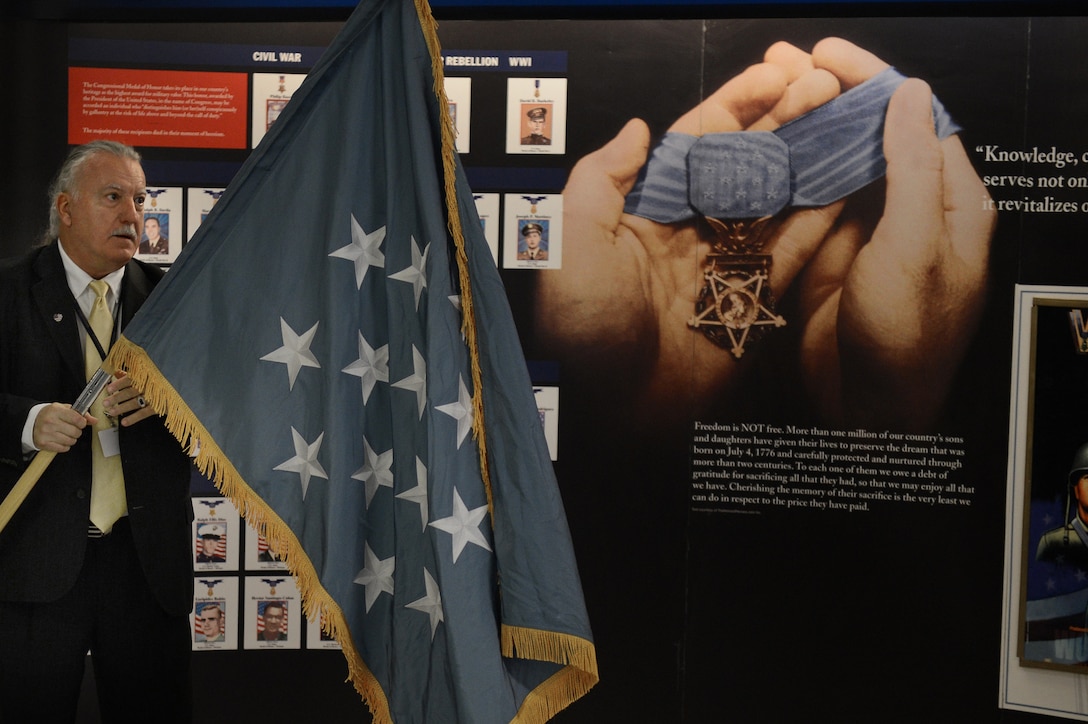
(90, 332)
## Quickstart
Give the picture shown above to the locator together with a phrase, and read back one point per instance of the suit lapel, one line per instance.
(56, 308)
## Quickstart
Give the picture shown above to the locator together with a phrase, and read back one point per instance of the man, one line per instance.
(1068, 543)
(533, 233)
(210, 618)
(63, 580)
(537, 118)
(274, 615)
(210, 534)
(153, 241)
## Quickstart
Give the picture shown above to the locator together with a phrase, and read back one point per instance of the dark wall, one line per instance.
(33, 126)
(758, 620)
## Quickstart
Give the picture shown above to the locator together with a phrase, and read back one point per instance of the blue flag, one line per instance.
(336, 348)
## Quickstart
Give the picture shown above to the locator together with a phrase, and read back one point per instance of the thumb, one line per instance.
(914, 203)
(618, 161)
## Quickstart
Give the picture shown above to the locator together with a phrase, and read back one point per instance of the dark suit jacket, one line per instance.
(41, 360)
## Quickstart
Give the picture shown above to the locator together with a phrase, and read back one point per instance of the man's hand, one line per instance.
(125, 401)
(57, 427)
(893, 297)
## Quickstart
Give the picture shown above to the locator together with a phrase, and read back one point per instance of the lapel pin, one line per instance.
(58, 317)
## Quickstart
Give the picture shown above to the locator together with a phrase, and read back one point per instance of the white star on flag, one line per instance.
(463, 525)
(376, 576)
(295, 352)
(431, 604)
(376, 471)
(305, 461)
(371, 367)
(363, 250)
(460, 411)
(418, 494)
(414, 274)
(417, 381)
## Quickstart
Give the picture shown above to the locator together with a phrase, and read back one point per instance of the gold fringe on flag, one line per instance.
(563, 687)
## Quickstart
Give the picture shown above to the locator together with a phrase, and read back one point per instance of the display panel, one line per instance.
(784, 528)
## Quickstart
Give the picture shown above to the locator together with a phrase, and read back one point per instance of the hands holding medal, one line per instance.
(886, 285)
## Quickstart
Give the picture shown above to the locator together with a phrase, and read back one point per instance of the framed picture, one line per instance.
(1049, 480)
(273, 613)
(163, 234)
(216, 534)
(533, 231)
(216, 614)
(536, 115)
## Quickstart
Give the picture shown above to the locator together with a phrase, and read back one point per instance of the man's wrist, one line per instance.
(28, 429)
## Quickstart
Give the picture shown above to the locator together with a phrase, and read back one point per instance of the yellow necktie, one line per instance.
(107, 480)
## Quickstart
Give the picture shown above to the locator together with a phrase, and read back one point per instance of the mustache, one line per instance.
(128, 230)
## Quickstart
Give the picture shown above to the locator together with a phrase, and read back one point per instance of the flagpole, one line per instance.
(24, 485)
(37, 466)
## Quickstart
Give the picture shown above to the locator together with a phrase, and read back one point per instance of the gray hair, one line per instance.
(66, 180)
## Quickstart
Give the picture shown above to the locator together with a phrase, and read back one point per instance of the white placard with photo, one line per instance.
(216, 614)
(273, 611)
(533, 231)
(271, 92)
(161, 240)
(199, 203)
(216, 535)
(459, 97)
(536, 115)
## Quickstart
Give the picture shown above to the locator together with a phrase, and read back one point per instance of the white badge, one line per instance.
(108, 439)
